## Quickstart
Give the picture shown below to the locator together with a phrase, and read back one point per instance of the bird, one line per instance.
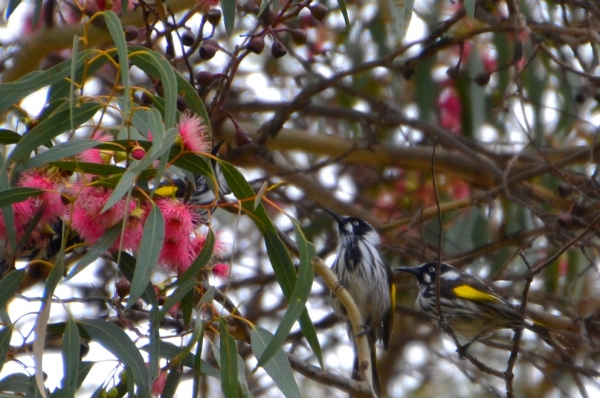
(470, 307)
(364, 272)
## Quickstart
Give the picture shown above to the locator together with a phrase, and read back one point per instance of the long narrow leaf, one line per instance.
(114, 339)
(278, 367)
(228, 361)
(297, 301)
(150, 247)
(279, 256)
(70, 356)
(9, 286)
(56, 124)
(60, 151)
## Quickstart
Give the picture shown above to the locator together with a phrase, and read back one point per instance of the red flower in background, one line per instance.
(450, 109)
(194, 133)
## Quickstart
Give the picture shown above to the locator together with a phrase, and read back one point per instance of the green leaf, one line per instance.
(70, 355)
(13, 92)
(9, 285)
(342, 5)
(116, 32)
(189, 94)
(114, 339)
(98, 249)
(7, 210)
(470, 8)
(280, 258)
(127, 265)
(8, 137)
(278, 367)
(16, 382)
(172, 382)
(402, 14)
(228, 361)
(157, 66)
(201, 261)
(89, 168)
(12, 5)
(172, 352)
(150, 247)
(228, 8)
(5, 336)
(176, 297)
(59, 122)
(84, 370)
(297, 301)
(60, 151)
(17, 194)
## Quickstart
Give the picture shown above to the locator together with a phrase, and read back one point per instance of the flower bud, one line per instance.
(278, 49)
(256, 44)
(138, 152)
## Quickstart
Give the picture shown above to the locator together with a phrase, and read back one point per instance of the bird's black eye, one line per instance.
(431, 269)
(355, 223)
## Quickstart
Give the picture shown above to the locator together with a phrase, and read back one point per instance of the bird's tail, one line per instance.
(374, 370)
(550, 336)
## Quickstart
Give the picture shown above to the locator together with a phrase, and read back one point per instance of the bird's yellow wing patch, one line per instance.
(470, 293)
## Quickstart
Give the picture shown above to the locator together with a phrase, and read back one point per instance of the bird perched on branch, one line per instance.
(469, 306)
(365, 274)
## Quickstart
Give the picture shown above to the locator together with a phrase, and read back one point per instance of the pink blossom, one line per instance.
(23, 213)
(174, 310)
(221, 270)
(159, 384)
(205, 5)
(176, 255)
(91, 224)
(179, 218)
(450, 109)
(194, 133)
(49, 202)
(95, 155)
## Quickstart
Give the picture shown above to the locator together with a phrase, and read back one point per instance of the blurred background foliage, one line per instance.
(346, 116)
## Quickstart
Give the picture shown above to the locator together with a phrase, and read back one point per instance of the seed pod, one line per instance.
(241, 136)
(453, 72)
(131, 33)
(188, 38)
(208, 49)
(278, 49)
(205, 78)
(318, 11)
(298, 36)
(256, 44)
(482, 78)
(564, 189)
(213, 16)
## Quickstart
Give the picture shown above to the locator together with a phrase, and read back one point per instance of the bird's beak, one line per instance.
(410, 270)
(337, 217)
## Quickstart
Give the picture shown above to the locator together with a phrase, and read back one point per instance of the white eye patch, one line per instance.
(451, 275)
(426, 278)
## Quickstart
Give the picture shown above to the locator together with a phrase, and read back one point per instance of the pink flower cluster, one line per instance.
(49, 205)
(194, 133)
(182, 242)
(90, 223)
